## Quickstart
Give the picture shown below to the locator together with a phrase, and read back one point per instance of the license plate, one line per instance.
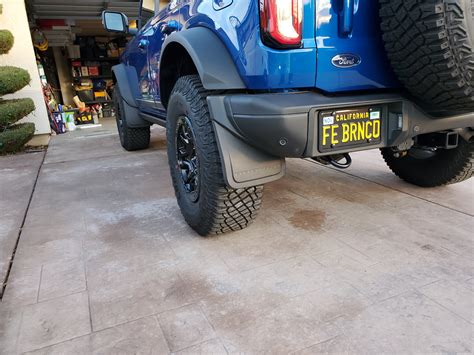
(349, 128)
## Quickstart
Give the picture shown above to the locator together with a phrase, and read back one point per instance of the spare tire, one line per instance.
(430, 44)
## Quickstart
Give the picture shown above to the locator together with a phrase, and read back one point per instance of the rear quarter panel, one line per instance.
(260, 67)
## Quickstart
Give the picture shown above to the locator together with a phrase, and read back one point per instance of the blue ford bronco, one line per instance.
(240, 85)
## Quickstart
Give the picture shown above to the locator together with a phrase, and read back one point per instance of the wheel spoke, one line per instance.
(188, 164)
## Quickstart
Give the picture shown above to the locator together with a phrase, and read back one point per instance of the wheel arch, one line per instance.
(124, 78)
(201, 52)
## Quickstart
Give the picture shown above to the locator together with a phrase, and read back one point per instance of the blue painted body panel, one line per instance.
(236, 23)
(260, 67)
(374, 72)
(146, 62)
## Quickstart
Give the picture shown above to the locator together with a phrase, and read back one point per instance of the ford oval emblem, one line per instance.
(346, 60)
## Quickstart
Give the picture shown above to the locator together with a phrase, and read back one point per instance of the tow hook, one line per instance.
(340, 161)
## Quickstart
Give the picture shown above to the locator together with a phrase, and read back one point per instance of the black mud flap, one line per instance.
(244, 166)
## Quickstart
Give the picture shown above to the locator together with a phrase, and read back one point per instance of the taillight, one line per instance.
(281, 22)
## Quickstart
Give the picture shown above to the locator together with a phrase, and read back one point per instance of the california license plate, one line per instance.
(349, 128)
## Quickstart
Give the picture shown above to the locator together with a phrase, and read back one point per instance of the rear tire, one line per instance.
(445, 167)
(131, 138)
(208, 205)
(430, 44)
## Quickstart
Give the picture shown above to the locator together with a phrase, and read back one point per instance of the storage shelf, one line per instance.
(98, 102)
(94, 77)
(96, 60)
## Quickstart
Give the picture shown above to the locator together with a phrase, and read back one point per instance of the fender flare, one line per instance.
(126, 78)
(213, 62)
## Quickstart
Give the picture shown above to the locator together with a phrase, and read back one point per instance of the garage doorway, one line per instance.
(75, 56)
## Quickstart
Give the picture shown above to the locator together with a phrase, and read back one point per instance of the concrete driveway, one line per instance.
(353, 261)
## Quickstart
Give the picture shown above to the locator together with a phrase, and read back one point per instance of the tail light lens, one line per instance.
(281, 22)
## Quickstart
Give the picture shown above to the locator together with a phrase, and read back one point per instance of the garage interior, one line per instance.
(75, 56)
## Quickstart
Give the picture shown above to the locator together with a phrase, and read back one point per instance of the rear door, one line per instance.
(138, 58)
(167, 22)
(351, 52)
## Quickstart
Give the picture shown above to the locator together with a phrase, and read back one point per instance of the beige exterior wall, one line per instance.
(14, 18)
(149, 4)
(163, 3)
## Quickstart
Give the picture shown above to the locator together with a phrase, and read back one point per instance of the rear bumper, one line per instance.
(265, 121)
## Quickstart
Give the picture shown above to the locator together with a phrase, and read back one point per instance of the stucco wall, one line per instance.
(14, 18)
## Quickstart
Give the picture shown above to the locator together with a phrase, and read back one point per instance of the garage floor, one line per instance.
(352, 261)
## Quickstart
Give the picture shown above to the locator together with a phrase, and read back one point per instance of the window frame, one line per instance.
(140, 11)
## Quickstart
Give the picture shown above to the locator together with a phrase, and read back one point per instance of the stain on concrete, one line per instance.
(310, 220)
(427, 247)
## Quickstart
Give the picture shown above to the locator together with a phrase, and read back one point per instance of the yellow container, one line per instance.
(100, 94)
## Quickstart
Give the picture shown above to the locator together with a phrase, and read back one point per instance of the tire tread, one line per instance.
(225, 209)
(131, 139)
(136, 138)
(431, 50)
(454, 166)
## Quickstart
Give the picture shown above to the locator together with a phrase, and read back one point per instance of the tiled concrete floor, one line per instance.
(17, 177)
(355, 262)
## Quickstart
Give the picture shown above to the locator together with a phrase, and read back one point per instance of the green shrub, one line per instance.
(14, 110)
(13, 139)
(13, 136)
(6, 41)
(13, 79)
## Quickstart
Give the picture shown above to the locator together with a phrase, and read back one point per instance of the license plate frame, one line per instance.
(368, 121)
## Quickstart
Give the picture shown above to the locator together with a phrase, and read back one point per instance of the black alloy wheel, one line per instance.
(188, 162)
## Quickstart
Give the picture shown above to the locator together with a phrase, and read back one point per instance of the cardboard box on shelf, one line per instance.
(94, 71)
(113, 53)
